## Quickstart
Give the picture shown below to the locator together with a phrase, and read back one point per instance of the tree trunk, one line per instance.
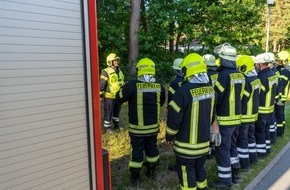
(134, 30)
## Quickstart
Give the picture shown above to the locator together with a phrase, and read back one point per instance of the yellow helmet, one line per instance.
(193, 64)
(283, 56)
(245, 63)
(111, 57)
(145, 67)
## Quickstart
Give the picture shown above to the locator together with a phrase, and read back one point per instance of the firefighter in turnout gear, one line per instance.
(111, 80)
(145, 97)
(283, 84)
(266, 106)
(246, 143)
(230, 88)
(190, 114)
(273, 123)
(212, 72)
(176, 83)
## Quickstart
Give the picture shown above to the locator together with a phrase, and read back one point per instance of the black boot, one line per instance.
(235, 176)
(219, 185)
(151, 168)
(135, 176)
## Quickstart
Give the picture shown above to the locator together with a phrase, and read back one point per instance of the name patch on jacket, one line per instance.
(273, 80)
(148, 87)
(256, 84)
(202, 93)
(237, 78)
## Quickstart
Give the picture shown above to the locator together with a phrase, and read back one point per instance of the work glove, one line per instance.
(215, 136)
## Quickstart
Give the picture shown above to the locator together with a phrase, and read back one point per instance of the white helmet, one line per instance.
(176, 63)
(272, 56)
(263, 58)
(209, 60)
(226, 51)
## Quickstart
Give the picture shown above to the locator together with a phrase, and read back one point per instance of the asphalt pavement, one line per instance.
(276, 176)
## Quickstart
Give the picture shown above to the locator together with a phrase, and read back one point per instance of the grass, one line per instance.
(118, 145)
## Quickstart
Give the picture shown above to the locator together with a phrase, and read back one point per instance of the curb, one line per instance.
(267, 169)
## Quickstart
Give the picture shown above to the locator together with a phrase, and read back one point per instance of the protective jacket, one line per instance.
(213, 76)
(110, 82)
(144, 101)
(250, 100)
(283, 84)
(190, 114)
(174, 85)
(268, 91)
(230, 88)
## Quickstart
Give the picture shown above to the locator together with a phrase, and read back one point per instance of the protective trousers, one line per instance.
(112, 108)
(242, 146)
(273, 129)
(280, 117)
(223, 154)
(252, 144)
(191, 172)
(148, 144)
(260, 126)
(268, 135)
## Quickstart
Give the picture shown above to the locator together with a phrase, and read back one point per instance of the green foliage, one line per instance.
(209, 23)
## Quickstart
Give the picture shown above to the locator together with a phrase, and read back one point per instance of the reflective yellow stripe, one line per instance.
(184, 176)
(219, 86)
(191, 146)
(187, 188)
(140, 108)
(232, 103)
(133, 164)
(158, 94)
(152, 159)
(194, 122)
(191, 152)
(229, 120)
(103, 77)
(121, 94)
(263, 87)
(174, 106)
(171, 131)
(171, 90)
(249, 118)
(279, 125)
(201, 185)
(246, 93)
(266, 110)
(283, 77)
(144, 132)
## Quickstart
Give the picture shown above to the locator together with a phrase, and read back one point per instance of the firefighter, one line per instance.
(246, 143)
(190, 114)
(229, 88)
(176, 83)
(212, 73)
(284, 76)
(111, 80)
(212, 66)
(266, 106)
(273, 123)
(145, 97)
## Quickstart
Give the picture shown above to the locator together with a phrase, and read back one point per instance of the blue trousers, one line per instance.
(226, 154)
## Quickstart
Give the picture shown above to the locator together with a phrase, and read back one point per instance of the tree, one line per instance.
(134, 30)
(279, 23)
